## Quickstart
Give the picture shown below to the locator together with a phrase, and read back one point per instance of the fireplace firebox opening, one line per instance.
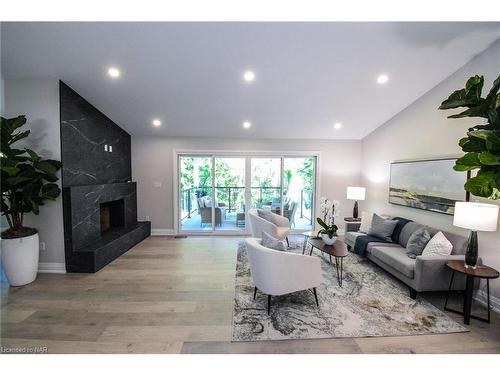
(112, 215)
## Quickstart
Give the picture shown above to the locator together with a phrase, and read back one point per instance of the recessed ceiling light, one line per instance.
(382, 79)
(249, 76)
(247, 125)
(114, 72)
(337, 125)
(156, 122)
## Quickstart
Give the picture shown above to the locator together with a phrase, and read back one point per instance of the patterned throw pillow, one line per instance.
(438, 245)
(272, 243)
(417, 242)
(382, 228)
(366, 222)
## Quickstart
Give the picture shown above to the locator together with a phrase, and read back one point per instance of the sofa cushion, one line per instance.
(407, 231)
(371, 245)
(382, 228)
(396, 258)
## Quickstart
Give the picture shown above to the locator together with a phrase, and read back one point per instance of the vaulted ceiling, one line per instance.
(308, 76)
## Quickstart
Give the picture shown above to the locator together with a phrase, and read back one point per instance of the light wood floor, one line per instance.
(175, 296)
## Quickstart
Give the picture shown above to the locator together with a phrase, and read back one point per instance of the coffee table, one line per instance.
(338, 250)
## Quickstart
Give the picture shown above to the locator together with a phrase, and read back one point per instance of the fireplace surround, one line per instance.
(99, 199)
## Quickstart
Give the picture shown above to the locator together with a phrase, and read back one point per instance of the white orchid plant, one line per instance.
(329, 210)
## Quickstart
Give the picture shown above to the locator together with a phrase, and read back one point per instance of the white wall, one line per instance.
(39, 101)
(423, 131)
(152, 161)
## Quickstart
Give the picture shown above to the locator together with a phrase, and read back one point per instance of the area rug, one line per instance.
(370, 303)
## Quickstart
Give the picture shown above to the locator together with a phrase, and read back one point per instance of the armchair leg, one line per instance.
(287, 243)
(316, 297)
(269, 304)
(254, 293)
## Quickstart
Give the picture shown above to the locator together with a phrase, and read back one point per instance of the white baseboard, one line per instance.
(49, 267)
(482, 297)
(162, 232)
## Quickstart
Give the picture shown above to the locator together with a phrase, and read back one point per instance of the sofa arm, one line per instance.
(432, 274)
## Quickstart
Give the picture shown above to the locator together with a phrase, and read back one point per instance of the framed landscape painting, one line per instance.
(430, 185)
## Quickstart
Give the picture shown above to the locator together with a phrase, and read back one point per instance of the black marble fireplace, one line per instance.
(99, 199)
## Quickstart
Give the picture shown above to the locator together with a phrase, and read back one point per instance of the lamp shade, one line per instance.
(476, 216)
(356, 193)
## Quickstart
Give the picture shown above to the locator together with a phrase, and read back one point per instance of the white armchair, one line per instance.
(277, 272)
(279, 227)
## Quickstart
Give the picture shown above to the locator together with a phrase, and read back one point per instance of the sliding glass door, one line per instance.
(216, 191)
(195, 184)
(230, 193)
(298, 191)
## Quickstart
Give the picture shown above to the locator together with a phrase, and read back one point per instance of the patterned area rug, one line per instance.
(370, 303)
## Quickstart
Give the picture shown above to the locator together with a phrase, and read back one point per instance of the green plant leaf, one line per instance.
(17, 180)
(482, 185)
(468, 162)
(487, 158)
(33, 155)
(50, 191)
(11, 171)
(472, 144)
(322, 223)
(469, 96)
(46, 166)
(477, 111)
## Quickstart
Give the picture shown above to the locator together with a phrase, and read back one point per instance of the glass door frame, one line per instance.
(248, 155)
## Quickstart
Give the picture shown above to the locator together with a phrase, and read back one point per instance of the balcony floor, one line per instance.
(229, 223)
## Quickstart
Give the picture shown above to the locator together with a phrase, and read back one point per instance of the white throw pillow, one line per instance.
(438, 245)
(366, 222)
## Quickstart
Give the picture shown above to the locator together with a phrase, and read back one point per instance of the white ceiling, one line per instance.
(308, 75)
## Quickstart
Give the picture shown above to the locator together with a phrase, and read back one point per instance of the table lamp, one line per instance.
(476, 217)
(355, 193)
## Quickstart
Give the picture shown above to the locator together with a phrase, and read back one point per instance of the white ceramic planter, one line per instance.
(327, 240)
(20, 259)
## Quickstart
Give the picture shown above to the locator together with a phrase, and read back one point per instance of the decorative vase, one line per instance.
(20, 259)
(327, 240)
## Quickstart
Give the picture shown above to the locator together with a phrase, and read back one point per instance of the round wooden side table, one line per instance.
(480, 272)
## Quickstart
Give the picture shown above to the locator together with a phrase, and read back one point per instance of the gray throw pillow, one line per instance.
(272, 243)
(382, 228)
(417, 242)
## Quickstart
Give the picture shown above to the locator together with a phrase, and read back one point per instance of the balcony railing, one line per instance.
(234, 198)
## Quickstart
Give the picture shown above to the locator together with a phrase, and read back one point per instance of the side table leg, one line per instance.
(488, 291)
(449, 289)
(341, 270)
(469, 286)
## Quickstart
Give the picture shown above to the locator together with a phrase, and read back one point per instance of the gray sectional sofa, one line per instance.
(422, 274)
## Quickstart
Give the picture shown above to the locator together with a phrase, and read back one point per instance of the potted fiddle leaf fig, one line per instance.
(482, 143)
(27, 182)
